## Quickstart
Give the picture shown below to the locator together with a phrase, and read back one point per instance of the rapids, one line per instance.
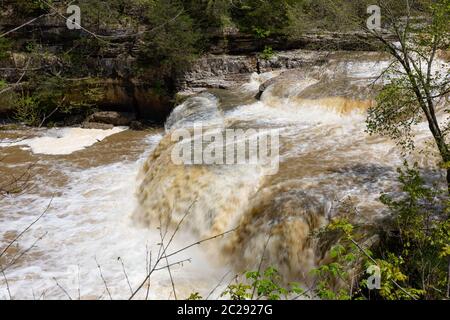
(325, 157)
(109, 195)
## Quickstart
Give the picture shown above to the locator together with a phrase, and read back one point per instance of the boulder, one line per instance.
(264, 87)
(112, 118)
(96, 125)
(137, 126)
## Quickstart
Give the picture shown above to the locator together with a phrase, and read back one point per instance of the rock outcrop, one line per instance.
(231, 71)
(232, 58)
(108, 119)
(113, 118)
(236, 43)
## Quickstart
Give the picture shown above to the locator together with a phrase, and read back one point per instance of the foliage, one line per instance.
(164, 37)
(267, 53)
(261, 285)
(338, 278)
(8, 98)
(171, 46)
(267, 285)
(395, 113)
(30, 7)
(28, 111)
(419, 238)
(208, 14)
(238, 291)
(5, 45)
(55, 97)
(261, 16)
(414, 251)
(195, 296)
(412, 255)
(416, 83)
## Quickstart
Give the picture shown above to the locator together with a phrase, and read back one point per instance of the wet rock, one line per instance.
(96, 125)
(137, 125)
(229, 72)
(112, 118)
(264, 87)
(219, 72)
(286, 76)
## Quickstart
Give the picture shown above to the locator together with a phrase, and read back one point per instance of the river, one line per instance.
(106, 194)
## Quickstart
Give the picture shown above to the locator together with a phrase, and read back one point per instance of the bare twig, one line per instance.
(8, 88)
(62, 289)
(108, 38)
(177, 252)
(148, 267)
(6, 281)
(163, 254)
(262, 260)
(26, 229)
(47, 117)
(448, 279)
(168, 269)
(79, 290)
(126, 275)
(25, 24)
(218, 285)
(201, 242)
(18, 256)
(376, 263)
(103, 279)
(174, 264)
(15, 184)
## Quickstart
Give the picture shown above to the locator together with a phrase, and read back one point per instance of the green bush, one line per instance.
(27, 8)
(256, 16)
(267, 53)
(418, 239)
(55, 99)
(5, 46)
(258, 285)
(170, 43)
(412, 254)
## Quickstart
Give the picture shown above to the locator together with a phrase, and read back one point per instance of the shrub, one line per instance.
(5, 46)
(418, 239)
(55, 98)
(27, 8)
(261, 285)
(412, 254)
(170, 43)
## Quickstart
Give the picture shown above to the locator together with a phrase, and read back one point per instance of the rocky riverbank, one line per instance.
(108, 76)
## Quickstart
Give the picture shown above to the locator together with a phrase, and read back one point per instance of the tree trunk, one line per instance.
(444, 152)
(448, 180)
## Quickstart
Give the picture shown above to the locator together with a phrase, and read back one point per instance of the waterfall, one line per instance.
(325, 156)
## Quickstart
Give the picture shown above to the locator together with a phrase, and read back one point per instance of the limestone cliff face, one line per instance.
(235, 43)
(232, 58)
(230, 71)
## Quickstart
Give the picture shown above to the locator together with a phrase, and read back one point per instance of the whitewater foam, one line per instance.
(64, 141)
(89, 222)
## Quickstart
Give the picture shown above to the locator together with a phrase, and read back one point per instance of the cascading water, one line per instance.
(325, 156)
(90, 199)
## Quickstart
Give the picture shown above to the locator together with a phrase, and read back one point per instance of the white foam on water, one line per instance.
(64, 141)
(285, 113)
(89, 221)
(202, 108)
(256, 80)
(366, 69)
